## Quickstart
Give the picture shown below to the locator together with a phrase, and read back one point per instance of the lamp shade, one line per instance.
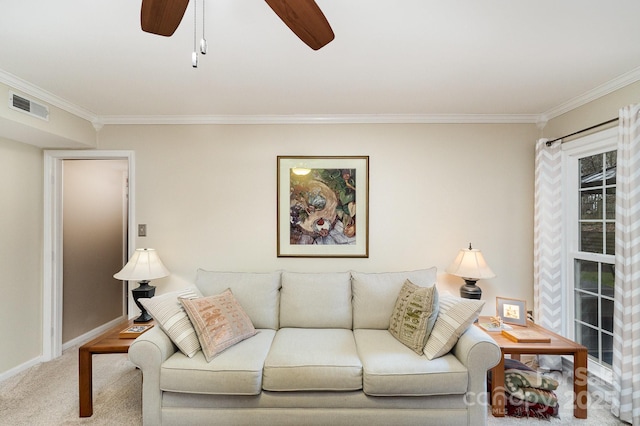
(144, 265)
(470, 264)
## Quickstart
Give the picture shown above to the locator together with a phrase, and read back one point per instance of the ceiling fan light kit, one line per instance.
(303, 17)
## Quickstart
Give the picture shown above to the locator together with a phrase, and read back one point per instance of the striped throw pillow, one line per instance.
(169, 314)
(455, 316)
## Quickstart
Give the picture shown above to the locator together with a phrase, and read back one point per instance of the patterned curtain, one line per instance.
(547, 243)
(626, 331)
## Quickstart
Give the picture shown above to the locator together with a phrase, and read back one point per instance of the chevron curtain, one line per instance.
(547, 243)
(626, 326)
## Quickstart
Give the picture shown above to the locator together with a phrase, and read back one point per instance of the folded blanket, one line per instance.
(531, 386)
(518, 408)
(520, 373)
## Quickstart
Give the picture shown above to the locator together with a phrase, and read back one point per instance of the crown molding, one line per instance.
(30, 89)
(538, 119)
(593, 94)
(323, 119)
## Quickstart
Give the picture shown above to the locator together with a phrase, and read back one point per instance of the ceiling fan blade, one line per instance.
(305, 19)
(162, 17)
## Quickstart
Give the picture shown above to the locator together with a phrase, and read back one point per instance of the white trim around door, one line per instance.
(52, 251)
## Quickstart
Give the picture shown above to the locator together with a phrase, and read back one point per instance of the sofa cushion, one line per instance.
(375, 294)
(236, 371)
(220, 322)
(316, 300)
(392, 369)
(414, 315)
(258, 293)
(454, 317)
(313, 359)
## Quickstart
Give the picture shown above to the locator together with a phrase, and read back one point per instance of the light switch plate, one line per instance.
(142, 230)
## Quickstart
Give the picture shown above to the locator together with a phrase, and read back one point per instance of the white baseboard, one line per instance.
(20, 368)
(78, 341)
(81, 340)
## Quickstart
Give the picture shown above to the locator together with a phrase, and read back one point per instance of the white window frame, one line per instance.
(573, 151)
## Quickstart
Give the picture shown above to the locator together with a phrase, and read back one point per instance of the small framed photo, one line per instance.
(512, 311)
(134, 331)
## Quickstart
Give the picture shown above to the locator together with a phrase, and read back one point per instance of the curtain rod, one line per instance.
(604, 123)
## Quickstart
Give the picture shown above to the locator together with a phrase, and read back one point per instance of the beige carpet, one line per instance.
(47, 394)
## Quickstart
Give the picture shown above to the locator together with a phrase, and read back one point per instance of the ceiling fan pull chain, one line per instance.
(194, 55)
(203, 41)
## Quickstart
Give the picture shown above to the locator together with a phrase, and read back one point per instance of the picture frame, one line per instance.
(512, 311)
(323, 206)
(134, 331)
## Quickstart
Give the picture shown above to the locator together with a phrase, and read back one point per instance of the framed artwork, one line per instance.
(323, 206)
(134, 331)
(512, 311)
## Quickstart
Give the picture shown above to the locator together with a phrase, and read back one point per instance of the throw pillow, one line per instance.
(413, 315)
(170, 316)
(220, 322)
(455, 316)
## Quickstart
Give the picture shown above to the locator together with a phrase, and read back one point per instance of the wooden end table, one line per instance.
(108, 342)
(558, 346)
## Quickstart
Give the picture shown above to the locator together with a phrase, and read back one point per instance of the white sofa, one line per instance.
(322, 355)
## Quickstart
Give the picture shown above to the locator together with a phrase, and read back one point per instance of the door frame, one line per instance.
(52, 244)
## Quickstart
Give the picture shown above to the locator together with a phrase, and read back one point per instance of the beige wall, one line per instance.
(208, 195)
(20, 253)
(598, 111)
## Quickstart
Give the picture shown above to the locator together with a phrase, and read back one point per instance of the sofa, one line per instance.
(321, 352)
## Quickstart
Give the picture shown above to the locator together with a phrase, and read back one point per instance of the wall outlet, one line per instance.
(142, 230)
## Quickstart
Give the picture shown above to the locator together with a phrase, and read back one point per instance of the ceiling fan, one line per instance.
(303, 17)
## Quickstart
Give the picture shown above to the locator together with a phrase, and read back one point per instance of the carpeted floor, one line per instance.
(47, 395)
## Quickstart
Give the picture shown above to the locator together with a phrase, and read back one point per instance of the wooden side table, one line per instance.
(558, 346)
(108, 342)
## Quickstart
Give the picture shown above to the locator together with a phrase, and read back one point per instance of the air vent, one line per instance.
(20, 103)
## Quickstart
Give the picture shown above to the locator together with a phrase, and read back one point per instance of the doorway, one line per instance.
(94, 235)
(85, 244)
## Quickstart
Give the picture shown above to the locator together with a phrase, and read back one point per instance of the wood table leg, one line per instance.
(580, 378)
(85, 380)
(497, 389)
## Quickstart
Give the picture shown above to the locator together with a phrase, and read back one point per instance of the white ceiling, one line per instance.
(515, 60)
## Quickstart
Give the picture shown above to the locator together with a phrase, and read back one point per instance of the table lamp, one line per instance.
(470, 266)
(145, 265)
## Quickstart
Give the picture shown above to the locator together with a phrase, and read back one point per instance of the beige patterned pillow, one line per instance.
(168, 313)
(219, 321)
(410, 321)
(455, 316)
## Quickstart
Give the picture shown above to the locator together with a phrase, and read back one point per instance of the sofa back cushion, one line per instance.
(375, 294)
(257, 293)
(316, 300)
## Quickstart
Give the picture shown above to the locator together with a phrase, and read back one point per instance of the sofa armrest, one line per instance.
(148, 352)
(479, 353)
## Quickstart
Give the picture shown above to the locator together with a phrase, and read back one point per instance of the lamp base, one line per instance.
(470, 290)
(144, 317)
(143, 291)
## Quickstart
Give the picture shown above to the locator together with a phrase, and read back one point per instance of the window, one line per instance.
(590, 196)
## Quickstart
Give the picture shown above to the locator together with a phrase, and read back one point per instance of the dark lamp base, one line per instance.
(144, 317)
(470, 290)
(144, 291)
